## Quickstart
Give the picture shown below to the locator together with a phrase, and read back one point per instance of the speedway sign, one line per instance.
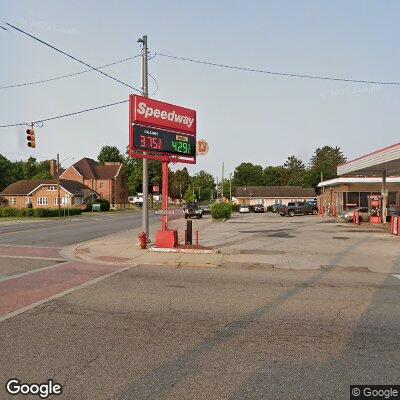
(161, 130)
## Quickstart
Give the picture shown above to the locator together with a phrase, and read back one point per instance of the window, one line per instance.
(52, 188)
(13, 201)
(101, 184)
(42, 201)
(27, 200)
(78, 200)
(63, 201)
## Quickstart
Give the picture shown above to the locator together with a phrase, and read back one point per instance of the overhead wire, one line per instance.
(68, 75)
(64, 115)
(277, 73)
(73, 58)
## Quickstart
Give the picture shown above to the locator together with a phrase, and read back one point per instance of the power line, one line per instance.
(73, 58)
(68, 75)
(290, 75)
(64, 115)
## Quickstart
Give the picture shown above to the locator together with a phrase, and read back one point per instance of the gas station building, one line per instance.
(372, 176)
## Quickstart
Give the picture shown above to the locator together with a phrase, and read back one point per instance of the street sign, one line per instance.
(164, 212)
(161, 131)
(162, 141)
(156, 113)
(202, 147)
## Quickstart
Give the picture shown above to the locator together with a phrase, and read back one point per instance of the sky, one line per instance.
(244, 116)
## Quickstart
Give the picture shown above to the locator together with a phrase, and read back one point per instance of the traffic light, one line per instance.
(30, 137)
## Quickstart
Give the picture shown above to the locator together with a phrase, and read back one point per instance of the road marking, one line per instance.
(58, 295)
(396, 276)
(32, 271)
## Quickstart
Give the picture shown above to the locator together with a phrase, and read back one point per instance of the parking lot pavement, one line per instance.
(162, 333)
(304, 242)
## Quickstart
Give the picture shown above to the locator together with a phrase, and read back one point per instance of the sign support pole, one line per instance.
(165, 179)
(145, 88)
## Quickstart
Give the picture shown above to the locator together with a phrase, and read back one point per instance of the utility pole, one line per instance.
(145, 92)
(58, 186)
(230, 188)
(222, 183)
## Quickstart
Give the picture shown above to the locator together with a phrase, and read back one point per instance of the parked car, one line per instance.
(298, 208)
(192, 211)
(206, 209)
(258, 208)
(244, 209)
(349, 214)
(276, 207)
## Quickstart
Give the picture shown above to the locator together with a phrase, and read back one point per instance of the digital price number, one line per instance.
(162, 141)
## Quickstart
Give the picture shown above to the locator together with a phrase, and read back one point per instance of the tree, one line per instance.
(179, 182)
(247, 174)
(274, 176)
(190, 197)
(5, 172)
(326, 160)
(204, 185)
(109, 154)
(294, 165)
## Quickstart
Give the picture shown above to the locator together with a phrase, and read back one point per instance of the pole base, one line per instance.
(167, 239)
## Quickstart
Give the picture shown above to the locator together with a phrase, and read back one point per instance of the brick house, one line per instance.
(44, 194)
(109, 181)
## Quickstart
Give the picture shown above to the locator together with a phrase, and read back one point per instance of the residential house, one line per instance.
(109, 181)
(269, 195)
(44, 194)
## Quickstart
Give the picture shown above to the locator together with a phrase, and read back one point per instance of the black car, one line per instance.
(258, 208)
(206, 209)
(276, 207)
(192, 211)
(298, 208)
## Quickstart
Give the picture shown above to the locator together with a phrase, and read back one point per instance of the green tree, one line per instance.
(109, 154)
(247, 174)
(179, 182)
(204, 185)
(190, 197)
(326, 160)
(6, 176)
(274, 176)
(294, 165)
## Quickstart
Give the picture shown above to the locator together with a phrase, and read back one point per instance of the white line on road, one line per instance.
(56, 296)
(32, 271)
(396, 276)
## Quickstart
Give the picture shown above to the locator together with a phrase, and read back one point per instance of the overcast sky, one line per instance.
(244, 116)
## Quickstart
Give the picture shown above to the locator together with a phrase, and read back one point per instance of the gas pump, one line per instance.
(375, 209)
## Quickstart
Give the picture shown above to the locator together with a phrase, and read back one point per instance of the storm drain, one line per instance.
(340, 237)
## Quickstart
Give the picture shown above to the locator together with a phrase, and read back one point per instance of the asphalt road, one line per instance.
(69, 231)
(166, 333)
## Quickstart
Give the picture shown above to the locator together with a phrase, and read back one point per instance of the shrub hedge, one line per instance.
(221, 210)
(104, 205)
(35, 212)
(235, 207)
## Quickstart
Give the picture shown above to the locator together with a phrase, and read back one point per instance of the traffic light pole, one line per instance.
(145, 89)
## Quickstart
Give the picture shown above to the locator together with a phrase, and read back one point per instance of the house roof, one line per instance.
(25, 187)
(274, 191)
(90, 169)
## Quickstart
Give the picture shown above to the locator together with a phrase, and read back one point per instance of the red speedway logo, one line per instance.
(164, 115)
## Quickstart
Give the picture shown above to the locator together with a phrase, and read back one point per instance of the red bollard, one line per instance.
(197, 238)
(143, 240)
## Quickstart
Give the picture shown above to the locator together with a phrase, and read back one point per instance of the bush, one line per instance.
(36, 212)
(221, 210)
(104, 205)
(270, 208)
(235, 207)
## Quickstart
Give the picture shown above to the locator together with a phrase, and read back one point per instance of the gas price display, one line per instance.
(162, 141)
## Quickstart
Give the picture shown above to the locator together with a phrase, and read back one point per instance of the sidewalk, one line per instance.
(257, 242)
